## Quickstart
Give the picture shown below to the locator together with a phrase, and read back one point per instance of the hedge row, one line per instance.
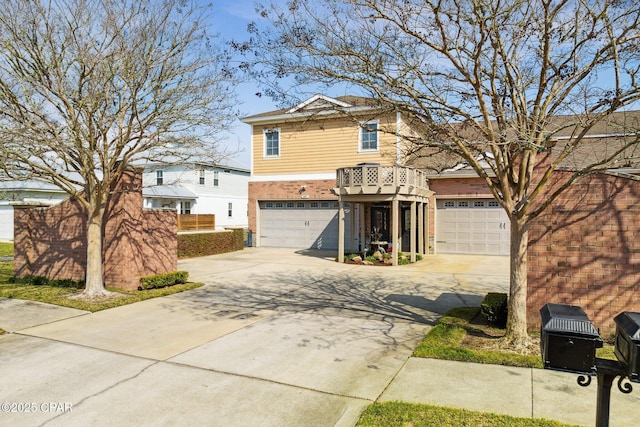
(162, 280)
(202, 244)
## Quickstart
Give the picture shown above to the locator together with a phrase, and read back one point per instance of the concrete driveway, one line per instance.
(276, 337)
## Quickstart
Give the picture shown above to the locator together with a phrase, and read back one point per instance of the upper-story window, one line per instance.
(369, 136)
(272, 142)
(159, 177)
(216, 178)
(201, 176)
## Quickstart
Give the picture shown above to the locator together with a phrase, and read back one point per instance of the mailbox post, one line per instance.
(568, 341)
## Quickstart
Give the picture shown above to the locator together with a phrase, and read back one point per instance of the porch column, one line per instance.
(395, 223)
(340, 231)
(362, 226)
(427, 227)
(421, 245)
(412, 233)
(352, 230)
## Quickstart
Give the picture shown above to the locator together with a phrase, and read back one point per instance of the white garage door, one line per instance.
(474, 226)
(300, 224)
(6, 222)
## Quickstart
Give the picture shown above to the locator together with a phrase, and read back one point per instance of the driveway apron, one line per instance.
(275, 337)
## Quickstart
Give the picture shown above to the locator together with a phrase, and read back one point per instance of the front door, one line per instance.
(380, 218)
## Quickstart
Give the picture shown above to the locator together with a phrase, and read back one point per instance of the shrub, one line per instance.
(202, 244)
(371, 258)
(162, 280)
(494, 309)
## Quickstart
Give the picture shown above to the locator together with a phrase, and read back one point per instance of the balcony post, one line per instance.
(421, 228)
(395, 224)
(340, 230)
(412, 231)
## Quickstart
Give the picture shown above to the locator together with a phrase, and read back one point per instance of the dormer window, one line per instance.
(272, 142)
(368, 136)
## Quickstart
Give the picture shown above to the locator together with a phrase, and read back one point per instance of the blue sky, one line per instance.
(230, 20)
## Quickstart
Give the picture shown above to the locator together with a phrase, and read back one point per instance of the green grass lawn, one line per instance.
(448, 340)
(417, 415)
(6, 249)
(445, 341)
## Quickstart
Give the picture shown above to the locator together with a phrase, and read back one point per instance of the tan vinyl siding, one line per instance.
(320, 146)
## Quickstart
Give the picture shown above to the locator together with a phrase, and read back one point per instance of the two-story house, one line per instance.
(328, 174)
(199, 188)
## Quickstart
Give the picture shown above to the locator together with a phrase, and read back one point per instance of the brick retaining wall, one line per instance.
(51, 242)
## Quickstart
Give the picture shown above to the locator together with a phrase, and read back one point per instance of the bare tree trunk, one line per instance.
(516, 334)
(94, 281)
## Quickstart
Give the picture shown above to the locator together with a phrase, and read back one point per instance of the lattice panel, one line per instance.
(372, 176)
(402, 176)
(387, 175)
(411, 177)
(357, 176)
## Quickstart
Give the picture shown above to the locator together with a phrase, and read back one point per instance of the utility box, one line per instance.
(628, 342)
(568, 339)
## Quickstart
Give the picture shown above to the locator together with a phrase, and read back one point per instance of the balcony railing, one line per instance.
(376, 179)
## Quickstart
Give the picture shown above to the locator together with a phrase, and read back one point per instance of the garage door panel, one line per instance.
(471, 226)
(309, 227)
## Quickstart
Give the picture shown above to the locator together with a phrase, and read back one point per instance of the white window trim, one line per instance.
(264, 143)
(361, 128)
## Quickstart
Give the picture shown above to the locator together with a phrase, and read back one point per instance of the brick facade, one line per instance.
(584, 250)
(287, 190)
(51, 242)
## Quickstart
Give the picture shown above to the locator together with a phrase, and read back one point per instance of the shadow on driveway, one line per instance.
(376, 297)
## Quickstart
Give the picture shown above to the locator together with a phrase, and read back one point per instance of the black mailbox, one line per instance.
(628, 342)
(568, 339)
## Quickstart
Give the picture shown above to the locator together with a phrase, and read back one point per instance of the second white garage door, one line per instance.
(473, 226)
(6, 222)
(300, 224)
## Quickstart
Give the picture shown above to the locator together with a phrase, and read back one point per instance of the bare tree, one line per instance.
(492, 82)
(90, 87)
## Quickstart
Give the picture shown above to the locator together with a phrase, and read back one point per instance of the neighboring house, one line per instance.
(296, 195)
(199, 188)
(24, 192)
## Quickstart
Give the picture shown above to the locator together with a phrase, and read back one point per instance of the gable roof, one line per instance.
(606, 138)
(320, 105)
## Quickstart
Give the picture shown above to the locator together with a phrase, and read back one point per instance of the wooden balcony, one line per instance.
(370, 179)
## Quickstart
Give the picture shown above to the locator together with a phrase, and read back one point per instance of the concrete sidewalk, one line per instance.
(274, 338)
